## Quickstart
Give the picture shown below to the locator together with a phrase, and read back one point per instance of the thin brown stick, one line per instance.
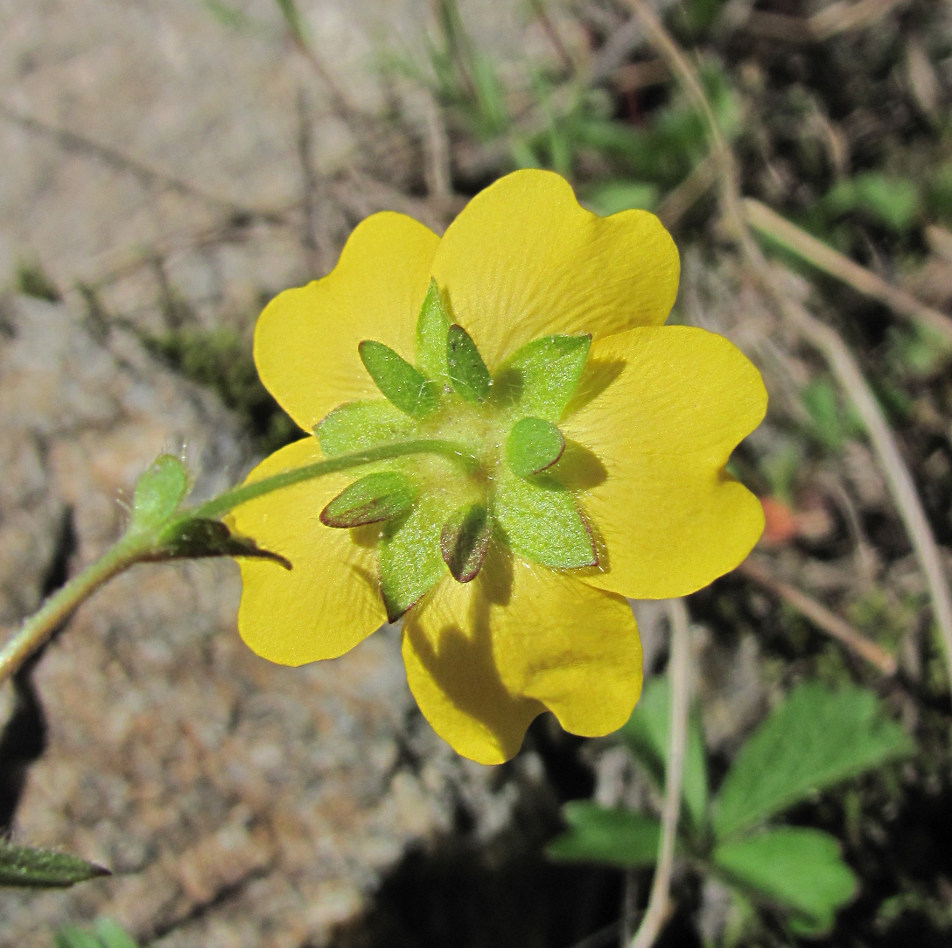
(831, 261)
(822, 337)
(679, 666)
(820, 616)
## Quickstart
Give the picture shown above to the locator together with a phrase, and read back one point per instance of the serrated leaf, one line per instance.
(813, 740)
(43, 868)
(613, 837)
(542, 376)
(467, 371)
(431, 330)
(159, 491)
(532, 446)
(410, 560)
(399, 382)
(800, 869)
(357, 425)
(464, 541)
(646, 736)
(371, 499)
(542, 522)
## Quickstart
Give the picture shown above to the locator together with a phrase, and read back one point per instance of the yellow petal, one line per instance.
(660, 409)
(484, 658)
(330, 601)
(306, 339)
(523, 260)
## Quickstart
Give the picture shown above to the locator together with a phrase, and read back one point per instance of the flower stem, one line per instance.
(37, 629)
(241, 495)
(140, 542)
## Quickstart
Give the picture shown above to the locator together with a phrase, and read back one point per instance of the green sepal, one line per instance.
(410, 560)
(194, 538)
(357, 425)
(532, 446)
(398, 381)
(159, 491)
(543, 375)
(542, 523)
(372, 499)
(43, 868)
(464, 541)
(431, 328)
(467, 371)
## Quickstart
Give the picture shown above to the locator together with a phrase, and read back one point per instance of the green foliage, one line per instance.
(532, 446)
(831, 424)
(357, 425)
(371, 499)
(106, 934)
(43, 868)
(811, 741)
(32, 280)
(610, 197)
(467, 371)
(431, 331)
(542, 523)
(542, 376)
(890, 201)
(411, 561)
(798, 869)
(612, 837)
(464, 541)
(159, 491)
(646, 735)
(398, 381)
(816, 738)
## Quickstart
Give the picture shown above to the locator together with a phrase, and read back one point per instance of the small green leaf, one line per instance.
(431, 330)
(800, 869)
(646, 735)
(357, 425)
(43, 868)
(159, 491)
(612, 837)
(410, 558)
(542, 523)
(542, 376)
(194, 538)
(465, 365)
(398, 381)
(372, 499)
(464, 541)
(813, 740)
(532, 446)
(107, 934)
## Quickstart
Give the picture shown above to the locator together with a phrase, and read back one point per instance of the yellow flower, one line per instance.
(649, 426)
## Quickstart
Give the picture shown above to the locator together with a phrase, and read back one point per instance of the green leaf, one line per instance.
(399, 382)
(411, 557)
(646, 735)
(612, 837)
(800, 869)
(356, 425)
(372, 499)
(813, 740)
(467, 371)
(431, 330)
(464, 541)
(193, 538)
(159, 491)
(542, 523)
(43, 868)
(532, 446)
(107, 934)
(542, 376)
